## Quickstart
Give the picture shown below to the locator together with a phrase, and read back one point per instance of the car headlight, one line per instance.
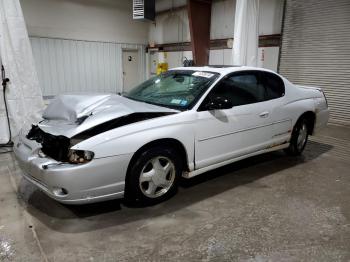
(80, 156)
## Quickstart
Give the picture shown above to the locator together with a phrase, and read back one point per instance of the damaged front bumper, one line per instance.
(98, 180)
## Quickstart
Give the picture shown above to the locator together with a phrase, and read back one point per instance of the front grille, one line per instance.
(55, 147)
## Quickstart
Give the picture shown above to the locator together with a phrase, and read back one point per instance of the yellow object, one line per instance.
(161, 68)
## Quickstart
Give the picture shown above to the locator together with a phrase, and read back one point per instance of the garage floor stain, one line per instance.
(267, 208)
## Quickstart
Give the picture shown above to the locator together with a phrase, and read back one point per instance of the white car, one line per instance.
(185, 122)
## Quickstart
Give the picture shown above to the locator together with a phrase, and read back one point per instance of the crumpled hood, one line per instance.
(68, 115)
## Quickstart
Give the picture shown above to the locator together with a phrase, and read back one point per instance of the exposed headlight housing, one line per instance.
(80, 156)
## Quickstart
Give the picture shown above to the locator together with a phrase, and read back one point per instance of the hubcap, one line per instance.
(157, 177)
(302, 137)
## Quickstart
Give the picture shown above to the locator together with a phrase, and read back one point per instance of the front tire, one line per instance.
(299, 138)
(153, 176)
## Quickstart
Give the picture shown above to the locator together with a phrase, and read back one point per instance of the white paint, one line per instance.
(94, 20)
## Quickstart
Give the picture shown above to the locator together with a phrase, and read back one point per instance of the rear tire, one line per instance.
(153, 176)
(299, 138)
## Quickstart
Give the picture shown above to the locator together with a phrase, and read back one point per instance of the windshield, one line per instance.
(179, 89)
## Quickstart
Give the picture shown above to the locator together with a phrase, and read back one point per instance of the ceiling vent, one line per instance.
(144, 9)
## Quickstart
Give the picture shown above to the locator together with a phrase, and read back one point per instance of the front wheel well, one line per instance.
(311, 118)
(165, 142)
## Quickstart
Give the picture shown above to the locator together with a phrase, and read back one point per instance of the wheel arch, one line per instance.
(167, 142)
(311, 119)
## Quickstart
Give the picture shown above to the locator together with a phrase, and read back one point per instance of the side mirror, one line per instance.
(218, 103)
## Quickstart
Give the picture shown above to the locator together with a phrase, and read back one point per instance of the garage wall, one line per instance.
(92, 20)
(173, 27)
(267, 57)
(77, 44)
(66, 66)
(223, 18)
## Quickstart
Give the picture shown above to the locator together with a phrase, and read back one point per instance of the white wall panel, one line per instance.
(222, 19)
(220, 57)
(270, 17)
(173, 27)
(91, 20)
(216, 57)
(267, 57)
(227, 56)
(81, 66)
(176, 59)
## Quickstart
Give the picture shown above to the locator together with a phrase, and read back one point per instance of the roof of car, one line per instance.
(222, 69)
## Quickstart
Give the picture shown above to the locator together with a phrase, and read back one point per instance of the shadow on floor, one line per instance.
(72, 219)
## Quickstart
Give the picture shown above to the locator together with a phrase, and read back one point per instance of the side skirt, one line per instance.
(224, 163)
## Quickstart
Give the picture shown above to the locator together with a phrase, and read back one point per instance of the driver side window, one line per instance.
(240, 89)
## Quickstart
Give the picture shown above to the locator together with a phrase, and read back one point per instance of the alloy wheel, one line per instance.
(157, 177)
(302, 136)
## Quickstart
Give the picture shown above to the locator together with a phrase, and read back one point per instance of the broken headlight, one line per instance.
(80, 156)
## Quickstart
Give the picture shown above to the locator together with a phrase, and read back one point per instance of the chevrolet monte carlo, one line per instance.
(187, 121)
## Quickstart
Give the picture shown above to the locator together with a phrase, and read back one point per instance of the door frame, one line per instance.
(266, 124)
(128, 49)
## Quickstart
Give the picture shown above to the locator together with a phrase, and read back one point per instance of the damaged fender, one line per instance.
(107, 125)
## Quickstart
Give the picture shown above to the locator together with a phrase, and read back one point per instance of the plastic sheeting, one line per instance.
(23, 94)
(246, 33)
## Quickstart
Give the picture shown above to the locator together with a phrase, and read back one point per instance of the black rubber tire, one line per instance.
(293, 148)
(133, 193)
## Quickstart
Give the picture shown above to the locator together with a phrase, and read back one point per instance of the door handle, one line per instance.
(264, 114)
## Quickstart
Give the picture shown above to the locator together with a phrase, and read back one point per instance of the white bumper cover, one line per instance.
(99, 180)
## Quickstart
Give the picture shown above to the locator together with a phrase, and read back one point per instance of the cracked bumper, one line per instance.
(99, 180)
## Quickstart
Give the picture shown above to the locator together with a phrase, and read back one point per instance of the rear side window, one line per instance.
(240, 89)
(274, 85)
(248, 88)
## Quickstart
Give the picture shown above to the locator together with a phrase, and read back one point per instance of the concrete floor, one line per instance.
(267, 208)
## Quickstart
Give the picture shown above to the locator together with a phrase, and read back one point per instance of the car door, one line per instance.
(275, 95)
(245, 128)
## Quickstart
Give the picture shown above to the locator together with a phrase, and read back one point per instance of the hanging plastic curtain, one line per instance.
(246, 33)
(23, 94)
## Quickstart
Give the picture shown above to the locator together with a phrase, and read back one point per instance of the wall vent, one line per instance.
(144, 9)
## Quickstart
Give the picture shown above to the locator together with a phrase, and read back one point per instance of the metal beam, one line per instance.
(199, 16)
(264, 41)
